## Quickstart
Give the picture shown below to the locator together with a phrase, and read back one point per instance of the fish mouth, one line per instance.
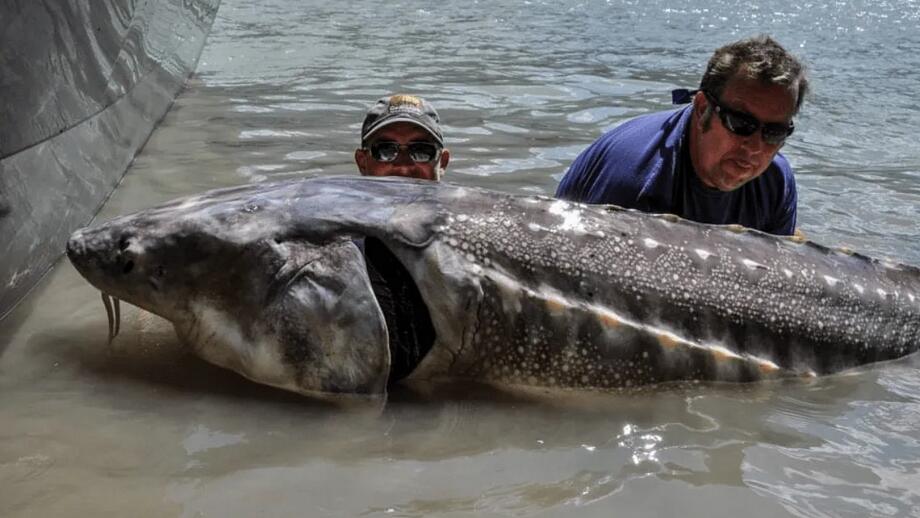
(410, 330)
(92, 252)
(86, 261)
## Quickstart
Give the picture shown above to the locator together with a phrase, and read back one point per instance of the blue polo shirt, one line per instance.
(645, 164)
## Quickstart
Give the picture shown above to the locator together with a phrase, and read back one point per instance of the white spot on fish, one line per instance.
(752, 265)
(787, 272)
(571, 218)
(881, 293)
(766, 366)
(859, 288)
(191, 203)
(831, 281)
(703, 254)
(651, 243)
(721, 352)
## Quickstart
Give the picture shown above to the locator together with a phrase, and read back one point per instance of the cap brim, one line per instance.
(401, 118)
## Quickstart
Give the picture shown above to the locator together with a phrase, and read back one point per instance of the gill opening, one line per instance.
(114, 316)
(410, 330)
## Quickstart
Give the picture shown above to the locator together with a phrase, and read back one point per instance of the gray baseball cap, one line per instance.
(402, 108)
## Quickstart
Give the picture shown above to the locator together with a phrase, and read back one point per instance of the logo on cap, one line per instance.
(401, 100)
(399, 108)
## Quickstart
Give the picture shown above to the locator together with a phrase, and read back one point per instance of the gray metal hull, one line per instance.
(82, 85)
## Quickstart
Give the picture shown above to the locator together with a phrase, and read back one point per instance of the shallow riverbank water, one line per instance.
(141, 428)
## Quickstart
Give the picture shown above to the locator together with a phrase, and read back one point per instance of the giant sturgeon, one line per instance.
(350, 284)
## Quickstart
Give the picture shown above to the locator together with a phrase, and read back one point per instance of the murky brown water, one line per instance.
(141, 428)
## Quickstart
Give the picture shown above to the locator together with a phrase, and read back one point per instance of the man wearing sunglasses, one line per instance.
(401, 136)
(714, 161)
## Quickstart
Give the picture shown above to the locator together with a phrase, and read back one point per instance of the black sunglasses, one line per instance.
(419, 152)
(745, 124)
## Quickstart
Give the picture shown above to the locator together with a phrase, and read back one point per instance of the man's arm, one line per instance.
(616, 167)
(579, 181)
(785, 223)
(784, 219)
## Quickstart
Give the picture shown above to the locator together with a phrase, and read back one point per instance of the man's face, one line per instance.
(724, 160)
(402, 133)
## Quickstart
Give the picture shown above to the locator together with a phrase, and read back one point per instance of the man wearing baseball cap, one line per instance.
(401, 136)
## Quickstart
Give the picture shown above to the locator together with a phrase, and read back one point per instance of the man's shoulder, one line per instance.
(645, 127)
(626, 160)
(776, 186)
(783, 165)
(780, 173)
(778, 198)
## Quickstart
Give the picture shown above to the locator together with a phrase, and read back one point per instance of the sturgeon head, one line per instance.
(254, 281)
